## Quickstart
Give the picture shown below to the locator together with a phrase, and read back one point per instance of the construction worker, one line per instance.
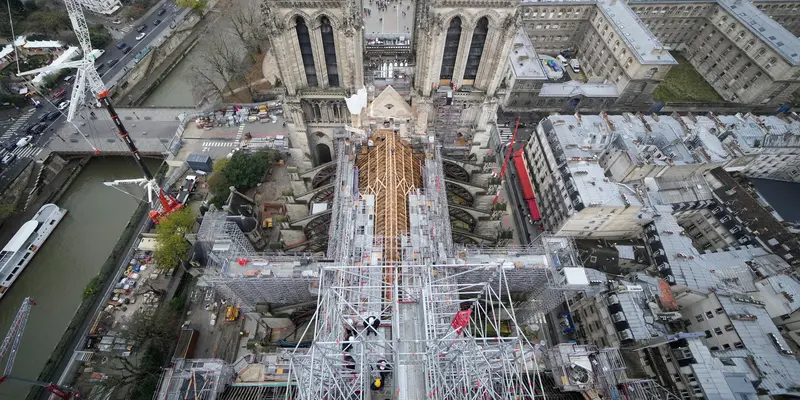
(372, 324)
(377, 384)
(384, 368)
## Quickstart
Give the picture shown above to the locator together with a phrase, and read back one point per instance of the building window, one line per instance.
(708, 334)
(749, 45)
(329, 49)
(729, 327)
(760, 53)
(451, 43)
(306, 52)
(770, 63)
(699, 318)
(709, 314)
(476, 49)
(718, 331)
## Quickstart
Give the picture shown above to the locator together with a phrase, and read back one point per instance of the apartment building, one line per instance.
(575, 196)
(743, 53)
(613, 47)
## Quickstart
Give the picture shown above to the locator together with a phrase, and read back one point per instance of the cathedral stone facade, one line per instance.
(456, 62)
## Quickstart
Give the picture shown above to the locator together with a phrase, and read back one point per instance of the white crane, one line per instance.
(87, 77)
(10, 346)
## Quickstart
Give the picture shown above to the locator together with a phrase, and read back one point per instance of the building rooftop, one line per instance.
(575, 88)
(780, 293)
(764, 346)
(43, 44)
(581, 138)
(524, 59)
(770, 232)
(647, 48)
(762, 26)
(6, 50)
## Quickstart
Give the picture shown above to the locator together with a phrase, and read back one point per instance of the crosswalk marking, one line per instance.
(208, 145)
(26, 151)
(218, 144)
(239, 133)
(17, 124)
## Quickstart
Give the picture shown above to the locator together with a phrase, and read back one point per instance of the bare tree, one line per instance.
(248, 25)
(221, 65)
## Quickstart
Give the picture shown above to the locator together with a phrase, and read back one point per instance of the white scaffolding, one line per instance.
(431, 353)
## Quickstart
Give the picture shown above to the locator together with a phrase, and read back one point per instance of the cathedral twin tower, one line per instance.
(320, 47)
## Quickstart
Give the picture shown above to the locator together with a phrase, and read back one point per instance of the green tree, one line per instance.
(171, 245)
(46, 22)
(170, 251)
(197, 5)
(245, 171)
(99, 35)
(179, 222)
(6, 209)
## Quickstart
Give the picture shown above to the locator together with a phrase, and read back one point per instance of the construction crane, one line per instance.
(11, 345)
(87, 78)
(508, 157)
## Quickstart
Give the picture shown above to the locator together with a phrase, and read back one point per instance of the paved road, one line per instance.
(14, 128)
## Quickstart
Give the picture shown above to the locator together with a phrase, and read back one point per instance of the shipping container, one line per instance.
(200, 162)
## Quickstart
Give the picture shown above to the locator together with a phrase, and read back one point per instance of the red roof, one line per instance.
(534, 209)
(527, 189)
(522, 172)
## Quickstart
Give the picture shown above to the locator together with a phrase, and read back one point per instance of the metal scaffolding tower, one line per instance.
(448, 330)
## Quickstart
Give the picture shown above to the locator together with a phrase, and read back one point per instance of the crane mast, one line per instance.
(87, 78)
(11, 345)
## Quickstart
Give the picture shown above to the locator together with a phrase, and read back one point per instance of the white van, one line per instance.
(562, 60)
(8, 158)
(576, 66)
(24, 141)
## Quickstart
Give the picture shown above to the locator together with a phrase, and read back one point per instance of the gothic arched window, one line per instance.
(329, 47)
(306, 51)
(476, 49)
(451, 42)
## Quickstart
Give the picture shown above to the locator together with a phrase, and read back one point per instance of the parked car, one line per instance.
(39, 128)
(161, 12)
(8, 158)
(120, 45)
(69, 78)
(53, 115)
(59, 94)
(127, 49)
(24, 141)
(141, 28)
(100, 67)
(156, 22)
(64, 105)
(111, 63)
(141, 36)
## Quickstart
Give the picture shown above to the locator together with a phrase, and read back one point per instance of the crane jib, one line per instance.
(126, 137)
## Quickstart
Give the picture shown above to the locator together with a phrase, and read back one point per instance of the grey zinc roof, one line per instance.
(788, 285)
(575, 88)
(779, 372)
(647, 48)
(523, 58)
(724, 271)
(762, 26)
(630, 303)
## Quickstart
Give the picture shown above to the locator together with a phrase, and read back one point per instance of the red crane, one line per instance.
(168, 204)
(10, 346)
(510, 149)
(508, 157)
